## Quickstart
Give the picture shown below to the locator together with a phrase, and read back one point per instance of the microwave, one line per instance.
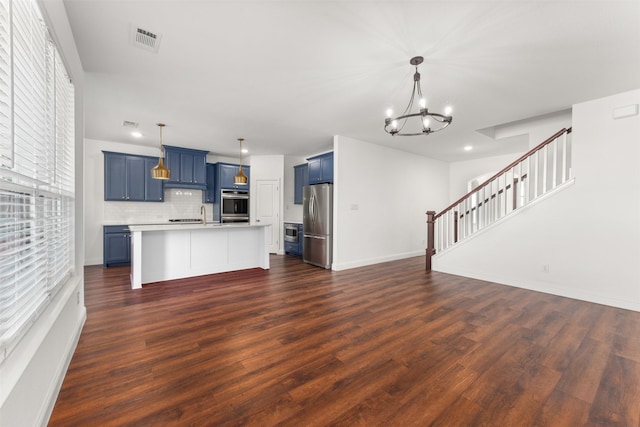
(234, 206)
(291, 233)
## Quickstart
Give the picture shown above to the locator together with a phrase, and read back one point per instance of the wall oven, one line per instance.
(234, 206)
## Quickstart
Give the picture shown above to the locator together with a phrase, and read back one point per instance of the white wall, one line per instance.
(380, 199)
(587, 234)
(32, 374)
(461, 172)
(537, 129)
(292, 212)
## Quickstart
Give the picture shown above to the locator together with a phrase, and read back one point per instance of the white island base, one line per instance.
(168, 252)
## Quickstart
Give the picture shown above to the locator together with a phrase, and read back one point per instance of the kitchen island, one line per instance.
(167, 252)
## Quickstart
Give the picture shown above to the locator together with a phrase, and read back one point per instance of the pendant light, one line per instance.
(240, 178)
(160, 171)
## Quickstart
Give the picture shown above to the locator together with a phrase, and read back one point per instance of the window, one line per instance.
(36, 170)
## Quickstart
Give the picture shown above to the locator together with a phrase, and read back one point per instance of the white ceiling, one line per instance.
(288, 75)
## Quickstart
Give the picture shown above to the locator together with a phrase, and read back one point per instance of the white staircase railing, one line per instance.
(534, 174)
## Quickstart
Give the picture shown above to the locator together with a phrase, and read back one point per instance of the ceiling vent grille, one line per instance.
(129, 124)
(145, 39)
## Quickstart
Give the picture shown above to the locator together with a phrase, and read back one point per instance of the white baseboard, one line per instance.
(533, 285)
(61, 371)
(377, 260)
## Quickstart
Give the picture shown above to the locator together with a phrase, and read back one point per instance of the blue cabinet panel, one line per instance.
(226, 174)
(135, 178)
(115, 172)
(209, 195)
(127, 177)
(153, 188)
(200, 169)
(116, 245)
(188, 167)
(172, 162)
(300, 178)
(321, 169)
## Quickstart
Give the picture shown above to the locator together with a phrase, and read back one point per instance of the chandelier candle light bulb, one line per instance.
(396, 125)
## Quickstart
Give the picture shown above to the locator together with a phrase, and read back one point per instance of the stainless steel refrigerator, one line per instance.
(317, 225)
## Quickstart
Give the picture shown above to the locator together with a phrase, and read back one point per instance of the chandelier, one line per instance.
(429, 122)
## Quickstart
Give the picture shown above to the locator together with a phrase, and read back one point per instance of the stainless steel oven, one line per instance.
(291, 233)
(234, 206)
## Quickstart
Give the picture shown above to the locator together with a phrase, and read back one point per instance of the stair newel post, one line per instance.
(430, 238)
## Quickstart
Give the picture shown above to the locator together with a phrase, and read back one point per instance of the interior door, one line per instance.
(268, 210)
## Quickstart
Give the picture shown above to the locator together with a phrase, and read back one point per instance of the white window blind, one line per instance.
(36, 170)
(6, 152)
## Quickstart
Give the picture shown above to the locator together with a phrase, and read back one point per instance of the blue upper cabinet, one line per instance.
(209, 195)
(135, 178)
(300, 179)
(115, 176)
(153, 188)
(128, 178)
(188, 168)
(226, 174)
(321, 169)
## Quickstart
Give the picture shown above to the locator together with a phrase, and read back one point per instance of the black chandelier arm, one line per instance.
(440, 118)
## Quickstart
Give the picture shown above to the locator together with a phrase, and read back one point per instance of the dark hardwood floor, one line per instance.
(385, 345)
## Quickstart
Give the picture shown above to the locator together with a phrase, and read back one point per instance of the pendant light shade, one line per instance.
(240, 178)
(160, 171)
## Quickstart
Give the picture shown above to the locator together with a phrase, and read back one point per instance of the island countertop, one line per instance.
(190, 226)
(161, 252)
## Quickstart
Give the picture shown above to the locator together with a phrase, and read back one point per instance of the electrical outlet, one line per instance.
(545, 268)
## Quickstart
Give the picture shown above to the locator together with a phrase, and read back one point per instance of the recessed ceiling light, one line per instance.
(468, 148)
(136, 134)
(245, 151)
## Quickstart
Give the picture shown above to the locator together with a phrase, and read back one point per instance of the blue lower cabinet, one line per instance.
(116, 245)
(291, 248)
(294, 248)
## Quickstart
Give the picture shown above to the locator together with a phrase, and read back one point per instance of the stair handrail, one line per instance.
(432, 215)
(505, 169)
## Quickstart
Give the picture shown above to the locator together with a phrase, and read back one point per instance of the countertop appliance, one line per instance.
(317, 225)
(234, 206)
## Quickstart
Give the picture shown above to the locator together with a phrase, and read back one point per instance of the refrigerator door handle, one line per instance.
(312, 205)
(314, 237)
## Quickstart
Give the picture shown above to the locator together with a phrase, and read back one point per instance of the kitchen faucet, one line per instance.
(203, 212)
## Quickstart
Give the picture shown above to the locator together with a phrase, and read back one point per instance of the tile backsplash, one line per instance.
(178, 203)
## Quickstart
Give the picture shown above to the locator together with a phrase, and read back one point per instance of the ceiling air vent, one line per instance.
(145, 39)
(129, 124)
